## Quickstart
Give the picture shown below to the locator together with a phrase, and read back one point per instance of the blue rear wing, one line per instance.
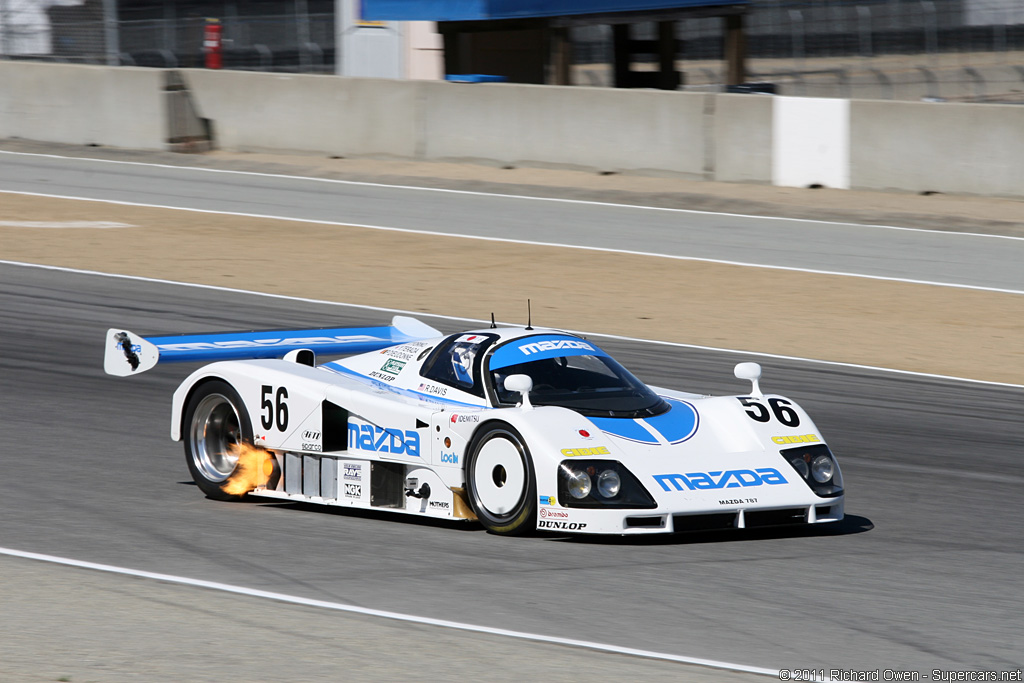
(126, 353)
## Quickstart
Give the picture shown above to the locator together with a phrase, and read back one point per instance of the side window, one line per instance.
(457, 363)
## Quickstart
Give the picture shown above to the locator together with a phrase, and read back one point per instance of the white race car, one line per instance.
(520, 428)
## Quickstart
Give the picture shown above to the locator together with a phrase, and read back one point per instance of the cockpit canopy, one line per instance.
(566, 371)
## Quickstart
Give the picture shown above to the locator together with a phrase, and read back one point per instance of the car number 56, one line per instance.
(271, 409)
(780, 407)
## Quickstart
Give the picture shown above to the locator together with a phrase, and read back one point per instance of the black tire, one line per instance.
(500, 481)
(215, 420)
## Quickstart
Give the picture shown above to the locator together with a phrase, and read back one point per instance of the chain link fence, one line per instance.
(264, 43)
(968, 50)
(903, 49)
(287, 35)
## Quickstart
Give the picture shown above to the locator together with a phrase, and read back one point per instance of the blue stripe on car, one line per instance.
(677, 425)
(541, 346)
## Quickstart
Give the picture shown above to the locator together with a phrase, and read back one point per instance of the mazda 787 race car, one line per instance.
(519, 428)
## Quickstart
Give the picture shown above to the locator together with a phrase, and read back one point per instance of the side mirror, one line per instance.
(522, 385)
(752, 372)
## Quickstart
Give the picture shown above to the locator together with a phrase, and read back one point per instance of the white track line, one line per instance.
(532, 243)
(65, 224)
(365, 307)
(505, 196)
(397, 616)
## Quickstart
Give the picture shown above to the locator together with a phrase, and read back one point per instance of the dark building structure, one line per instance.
(528, 41)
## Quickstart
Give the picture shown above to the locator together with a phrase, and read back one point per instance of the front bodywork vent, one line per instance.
(759, 518)
(712, 522)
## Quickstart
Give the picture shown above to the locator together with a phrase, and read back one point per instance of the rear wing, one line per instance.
(126, 353)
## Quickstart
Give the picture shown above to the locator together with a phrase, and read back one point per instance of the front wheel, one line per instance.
(216, 424)
(500, 481)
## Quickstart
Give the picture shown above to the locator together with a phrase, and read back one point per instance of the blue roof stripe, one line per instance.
(540, 346)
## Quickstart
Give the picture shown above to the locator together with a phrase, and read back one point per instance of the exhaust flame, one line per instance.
(254, 468)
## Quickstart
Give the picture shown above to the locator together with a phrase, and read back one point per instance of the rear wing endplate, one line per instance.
(126, 353)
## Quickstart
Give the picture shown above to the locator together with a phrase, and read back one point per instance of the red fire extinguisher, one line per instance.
(212, 44)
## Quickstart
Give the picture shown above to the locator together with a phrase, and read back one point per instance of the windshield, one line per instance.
(594, 385)
(455, 362)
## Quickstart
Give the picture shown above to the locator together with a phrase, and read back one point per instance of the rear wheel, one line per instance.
(215, 424)
(500, 481)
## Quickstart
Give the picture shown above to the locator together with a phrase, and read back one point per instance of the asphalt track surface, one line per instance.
(923, 574)
(923, 255)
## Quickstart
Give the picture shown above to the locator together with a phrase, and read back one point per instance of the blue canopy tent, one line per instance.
(480, 10)
(528, 40)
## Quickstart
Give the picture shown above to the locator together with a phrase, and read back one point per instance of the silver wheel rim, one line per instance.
(499, 477)
(215, 429)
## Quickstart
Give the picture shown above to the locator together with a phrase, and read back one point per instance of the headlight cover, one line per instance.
(609, 483)
(578, 484)
(616, 487)
(818, 467)
(822, 468)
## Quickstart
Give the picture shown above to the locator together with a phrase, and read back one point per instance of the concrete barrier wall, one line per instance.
(306, 113)
(938, 147)
(596, 128)
(83, 104)
(603, 129)
(741, 139)
(942, 147)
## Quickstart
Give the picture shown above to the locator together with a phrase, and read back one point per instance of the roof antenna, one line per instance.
(492, 321)
(529, 316)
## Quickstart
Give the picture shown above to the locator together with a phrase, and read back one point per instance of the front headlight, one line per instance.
(579, 485)
(818, 467)
(800, 466)
(822, 469)
(600, 484)
(609, 483)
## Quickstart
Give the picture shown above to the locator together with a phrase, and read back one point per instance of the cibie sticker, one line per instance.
(803, 438)
(581, 452)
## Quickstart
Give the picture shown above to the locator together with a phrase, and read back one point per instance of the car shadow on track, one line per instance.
(851, 524)
(362, 513)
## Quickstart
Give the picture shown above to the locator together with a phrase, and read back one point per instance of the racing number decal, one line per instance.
(783, 412)
(270, 410)
(759, 412)
(780, 407)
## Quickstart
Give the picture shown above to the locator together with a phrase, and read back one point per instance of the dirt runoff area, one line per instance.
(939, 330)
